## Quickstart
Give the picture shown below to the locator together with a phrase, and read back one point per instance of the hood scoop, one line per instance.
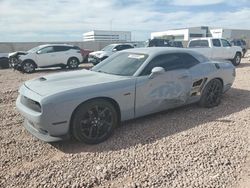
(42, 79)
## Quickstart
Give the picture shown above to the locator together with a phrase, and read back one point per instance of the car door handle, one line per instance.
(183, 76)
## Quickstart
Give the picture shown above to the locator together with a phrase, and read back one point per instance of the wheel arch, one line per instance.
(238, 52)
(30, 60)
(207, 81)
(221, 80)
(109, 99)
(73, 57)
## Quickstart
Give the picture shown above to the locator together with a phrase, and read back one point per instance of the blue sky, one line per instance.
(66, 20)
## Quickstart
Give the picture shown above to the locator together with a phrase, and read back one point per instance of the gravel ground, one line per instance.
(185, 147)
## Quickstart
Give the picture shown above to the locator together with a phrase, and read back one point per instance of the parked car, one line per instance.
(89, 104)
(216, 48)
(4, 61)
(163, 43)
(49, 55)
(241, 43)
(98, 56)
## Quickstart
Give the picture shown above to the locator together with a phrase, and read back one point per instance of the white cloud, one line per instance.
(56, 20)
(196, 2)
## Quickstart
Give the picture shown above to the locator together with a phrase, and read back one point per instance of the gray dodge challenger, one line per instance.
(88, 104)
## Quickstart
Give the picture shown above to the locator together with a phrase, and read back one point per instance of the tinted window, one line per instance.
(238, 43)
(75, 48)
(123, 47)
(61, 48)
(216, 42)
(171, 62)
(225, 43)
(127, 47)
(243, 42)
(45, 50)
(158, 42)
(198, 44)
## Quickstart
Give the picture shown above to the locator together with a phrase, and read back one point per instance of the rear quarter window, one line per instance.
(198, 44)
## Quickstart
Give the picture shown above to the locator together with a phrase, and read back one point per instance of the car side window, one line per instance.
(118, 48)
(225, 43)
(46, 50)
(198, 44)
(61, 48)
(216, 43)
(171, 62)
(127, 47)
(238, 43)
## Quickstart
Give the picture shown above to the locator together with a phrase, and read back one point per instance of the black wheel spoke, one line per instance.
(213, 93)
(95, 121)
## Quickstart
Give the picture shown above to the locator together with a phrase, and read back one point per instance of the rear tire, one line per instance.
(28, 67)
(73, 63)
(94, 121)
(211, 95)
(4, 63)
(237, 59)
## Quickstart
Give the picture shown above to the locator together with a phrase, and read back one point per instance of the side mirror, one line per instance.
(114, 50)
(156, 71)
(39, 52)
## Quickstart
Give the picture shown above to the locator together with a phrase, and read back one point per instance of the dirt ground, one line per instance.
(186, 147)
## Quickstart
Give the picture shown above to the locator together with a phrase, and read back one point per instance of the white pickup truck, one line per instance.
(216, 48)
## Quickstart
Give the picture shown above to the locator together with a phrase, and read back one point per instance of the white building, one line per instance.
(101, 35)
(230, 33)
(186, 34)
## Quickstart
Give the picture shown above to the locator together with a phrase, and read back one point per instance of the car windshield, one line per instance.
(108, 48)
(124, 64)
(32, 50)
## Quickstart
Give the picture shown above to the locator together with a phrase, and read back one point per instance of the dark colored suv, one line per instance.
(163, 43)
(241, 43)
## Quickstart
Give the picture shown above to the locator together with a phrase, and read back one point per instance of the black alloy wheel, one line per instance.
(94, 121)
(212, 93)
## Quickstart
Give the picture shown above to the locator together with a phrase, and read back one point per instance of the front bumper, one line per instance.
(94, 60)
(45, 125)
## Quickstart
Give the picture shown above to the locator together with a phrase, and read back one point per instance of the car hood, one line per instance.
(13, 54)
(60, 82)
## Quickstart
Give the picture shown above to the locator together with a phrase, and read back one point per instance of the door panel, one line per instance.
(168, 90)
(46, 56)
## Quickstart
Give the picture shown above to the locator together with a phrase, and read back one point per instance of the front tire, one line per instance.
(28, 67)
(211, 95)
(94, 121)
(73, 63)
(237, 59)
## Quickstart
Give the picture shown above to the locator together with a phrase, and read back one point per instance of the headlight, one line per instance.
(99, 55)
(34, 105)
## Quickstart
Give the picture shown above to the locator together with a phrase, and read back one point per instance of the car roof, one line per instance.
(120, 44)
(159, 50)
(206, 38)
(47, 45)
